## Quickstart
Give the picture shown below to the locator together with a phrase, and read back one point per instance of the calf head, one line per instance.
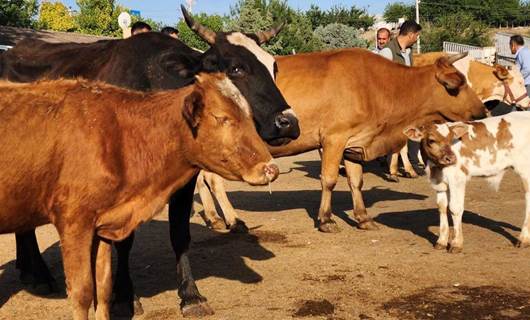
(436, 141)
(458, 101)
(223, 137)
(252, 70)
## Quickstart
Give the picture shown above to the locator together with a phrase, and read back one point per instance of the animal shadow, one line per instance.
(212, 254)
(419, 221)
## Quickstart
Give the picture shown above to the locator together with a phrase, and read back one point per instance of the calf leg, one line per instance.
(180, 204)
(332, 151)
(217, 186)
(210, 212)
(103, 277)
(32, 267)
(524, 237)
(76, 245)
(443, 238)
(354, 173)
(125, 302)
(456, 205)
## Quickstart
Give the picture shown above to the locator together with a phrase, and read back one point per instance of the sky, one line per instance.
(168, 12)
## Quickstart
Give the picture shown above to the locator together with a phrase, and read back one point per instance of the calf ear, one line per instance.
(413, 133)
(193, 109)
(459, 130)
(501, 72)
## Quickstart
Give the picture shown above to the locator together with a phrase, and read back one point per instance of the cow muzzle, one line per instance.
(262, 173)
(287, 128)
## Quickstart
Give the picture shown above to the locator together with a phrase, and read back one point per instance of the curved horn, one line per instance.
(264, 36)
(455, 57)
(204, 32)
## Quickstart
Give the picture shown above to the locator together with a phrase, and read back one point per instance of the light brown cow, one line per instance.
(490, 83)
(97, 160)
(349, 100)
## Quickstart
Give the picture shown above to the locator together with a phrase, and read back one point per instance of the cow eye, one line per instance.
(431, 142)
(236, 71)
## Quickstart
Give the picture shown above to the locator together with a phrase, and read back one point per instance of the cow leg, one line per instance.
(76, 246)
(103, 277)
(443, 238)
(393, 168)
(354, 172)
(407, 166)
(524, 237)
(332, 152)
(180, 205)
(210, 212)
(217, 186)
(125, 302)
(457, 190)
(32, 267)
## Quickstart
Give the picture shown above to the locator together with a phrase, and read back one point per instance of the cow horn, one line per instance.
(455, 57)
(204, 32)
(264, 36)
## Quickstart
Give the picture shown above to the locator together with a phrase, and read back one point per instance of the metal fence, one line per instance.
(502, 46)
(482, 54)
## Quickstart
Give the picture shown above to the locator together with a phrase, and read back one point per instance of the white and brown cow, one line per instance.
(455, 152)
(490, 83)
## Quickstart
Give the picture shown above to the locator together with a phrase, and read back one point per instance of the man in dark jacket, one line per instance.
(399, 49)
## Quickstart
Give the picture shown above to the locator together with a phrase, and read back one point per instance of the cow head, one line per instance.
(252, 70)
(436, 141)
(223, 136)
(456, 101)
(510, 87)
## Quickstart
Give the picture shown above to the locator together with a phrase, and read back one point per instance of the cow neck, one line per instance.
(484, 82)
(155, 136)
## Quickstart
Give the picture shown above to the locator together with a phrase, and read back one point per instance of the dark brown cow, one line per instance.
(356, 101)
(97, 160)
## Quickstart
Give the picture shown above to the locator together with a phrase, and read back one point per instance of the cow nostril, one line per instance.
(282, 121)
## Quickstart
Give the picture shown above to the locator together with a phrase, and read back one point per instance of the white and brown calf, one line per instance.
(455, 152)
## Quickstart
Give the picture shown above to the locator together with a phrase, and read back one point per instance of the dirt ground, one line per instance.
(286, 269)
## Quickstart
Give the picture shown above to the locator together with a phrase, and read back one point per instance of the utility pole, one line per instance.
(418, 22)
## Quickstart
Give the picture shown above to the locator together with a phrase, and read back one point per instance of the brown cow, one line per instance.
(348, 100)
(97, 160)
(489, 83)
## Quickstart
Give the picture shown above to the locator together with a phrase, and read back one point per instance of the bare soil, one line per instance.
(284, 268)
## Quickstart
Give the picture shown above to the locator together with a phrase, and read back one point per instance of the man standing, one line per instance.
(382, 38)
(522, 58)
(170, 31)
(399, 49)
(140, 27)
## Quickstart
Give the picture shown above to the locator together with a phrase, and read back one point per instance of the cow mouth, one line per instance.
(279, 141)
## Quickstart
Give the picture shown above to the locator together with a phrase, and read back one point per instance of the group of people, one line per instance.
(141, 27)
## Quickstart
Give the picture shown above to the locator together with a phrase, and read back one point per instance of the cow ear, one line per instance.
(448, 75)
(501, 72)
(459, 129)
(193, 109)
(413, 133)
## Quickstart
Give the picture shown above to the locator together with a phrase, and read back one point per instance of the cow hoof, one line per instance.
(217, 224)
(200, 309)
(521, 244)
(410, 175)
(391, 177)
(329, 227)
(455, 249)
(368, 225)
(439, 246)
(239, 227)
(127, 309)
(421, 171)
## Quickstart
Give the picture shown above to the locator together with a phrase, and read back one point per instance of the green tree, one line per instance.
(460, 27)
(186, 35)
(55, 16)
(18, 13)
(337, 35)
(353, 17)
(95, 17)
(394, 11)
